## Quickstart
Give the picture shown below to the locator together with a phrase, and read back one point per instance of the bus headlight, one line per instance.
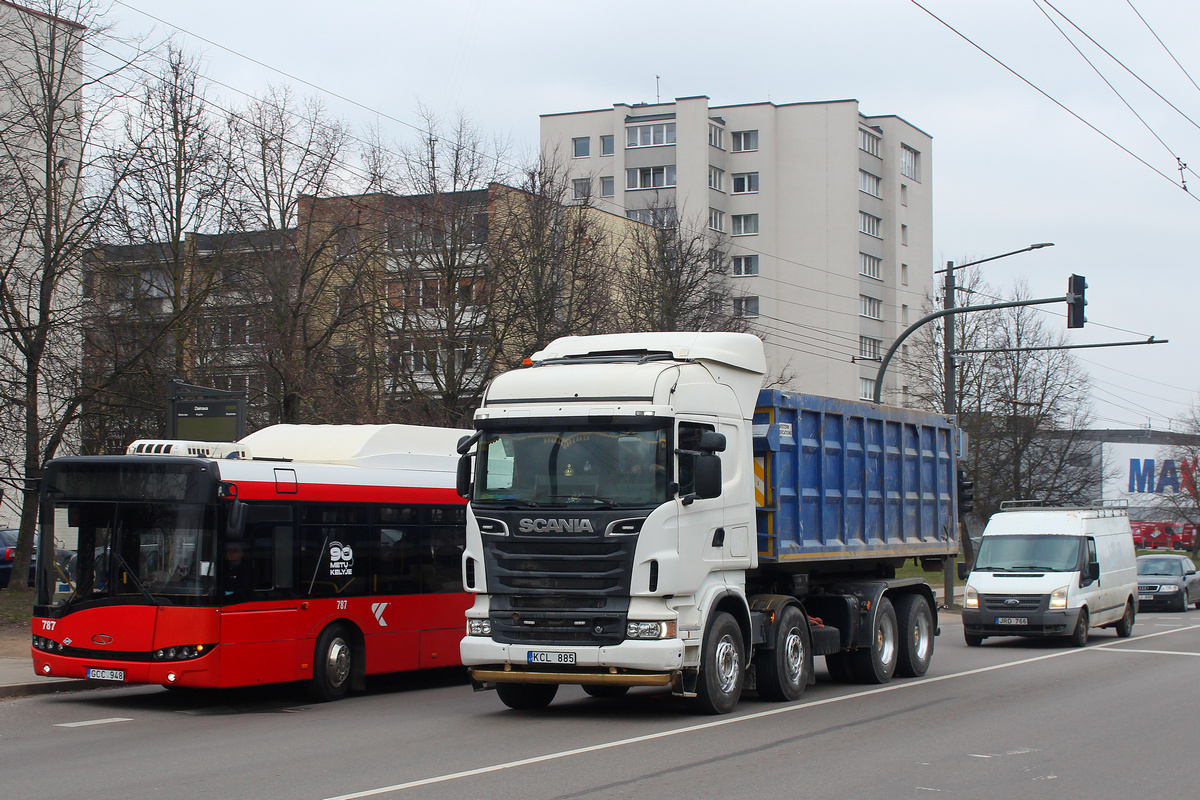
(1058, 599)
(650, 630)
(479, 627)
(970, 598)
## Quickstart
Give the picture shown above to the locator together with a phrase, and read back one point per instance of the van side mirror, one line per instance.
(964, 570)
(1091, 573)
(463, 479)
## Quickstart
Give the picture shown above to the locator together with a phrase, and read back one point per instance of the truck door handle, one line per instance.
(718, 537)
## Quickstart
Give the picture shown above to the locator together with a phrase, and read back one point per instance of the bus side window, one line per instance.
(268, 544)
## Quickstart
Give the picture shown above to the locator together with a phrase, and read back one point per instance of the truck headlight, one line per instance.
(970, 598)
(479, 627)
(1058, 599)
(650, 630)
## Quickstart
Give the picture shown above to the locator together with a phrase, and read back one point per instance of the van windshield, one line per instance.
(1029, 552)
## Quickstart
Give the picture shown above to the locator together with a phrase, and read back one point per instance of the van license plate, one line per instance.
(106, 674)
(1012, 621)
(548, 657)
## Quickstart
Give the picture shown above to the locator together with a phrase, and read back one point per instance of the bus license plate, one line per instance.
(106, 674)
(548, 657)
(1012, 621)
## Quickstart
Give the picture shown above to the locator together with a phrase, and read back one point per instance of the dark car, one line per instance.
(1167, 581)
(8, 551)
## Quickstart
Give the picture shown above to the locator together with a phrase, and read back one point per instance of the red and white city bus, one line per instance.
(318, 553)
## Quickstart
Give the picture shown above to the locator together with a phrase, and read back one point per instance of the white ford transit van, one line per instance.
(1052, 572)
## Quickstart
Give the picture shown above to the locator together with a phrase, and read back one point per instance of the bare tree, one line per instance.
(54, 195)
(1183, 501)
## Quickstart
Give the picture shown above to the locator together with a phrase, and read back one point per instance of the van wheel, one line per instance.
(783, 670)
(972, 639)
(1079, 637)
(526, 696)
(1124, 626)
(722, 666)
(333, 662)
(915, 620)
(877, 663)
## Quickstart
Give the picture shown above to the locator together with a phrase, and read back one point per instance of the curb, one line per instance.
(45, 687)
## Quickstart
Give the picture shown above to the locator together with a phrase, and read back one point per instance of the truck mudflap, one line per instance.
(483, 678)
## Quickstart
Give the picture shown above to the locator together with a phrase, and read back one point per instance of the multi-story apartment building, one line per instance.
(826, 216)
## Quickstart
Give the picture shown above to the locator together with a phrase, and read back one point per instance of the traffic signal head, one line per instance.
(966, 493)
(1076, 287)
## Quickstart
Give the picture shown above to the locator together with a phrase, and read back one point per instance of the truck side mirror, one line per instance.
(712, 442)
(463, 481)
(964, 570)
(708, 476)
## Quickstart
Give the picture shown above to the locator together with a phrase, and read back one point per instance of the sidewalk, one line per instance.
(18, 679)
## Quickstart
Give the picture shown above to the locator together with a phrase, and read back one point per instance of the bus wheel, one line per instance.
(877, 663)
(332, 665)
(915, 619)
(526, 696)
(783, 670)
(722, 666)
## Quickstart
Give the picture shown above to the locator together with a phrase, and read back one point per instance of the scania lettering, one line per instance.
(642, 514)
(316, 553)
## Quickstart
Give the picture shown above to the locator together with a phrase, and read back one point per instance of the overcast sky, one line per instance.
(1010, 166)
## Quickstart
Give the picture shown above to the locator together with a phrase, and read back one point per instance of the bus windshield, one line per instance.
(160, 552)
(1025, 552)
(614, 466)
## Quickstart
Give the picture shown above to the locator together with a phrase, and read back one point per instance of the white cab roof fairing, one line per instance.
(363, 445)
(696, 360)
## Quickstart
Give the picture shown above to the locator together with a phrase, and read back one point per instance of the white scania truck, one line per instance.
(641, 514)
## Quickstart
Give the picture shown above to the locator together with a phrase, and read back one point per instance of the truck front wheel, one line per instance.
(877, 664)
(783, 671)
(722, 671)
(526, 696)
(915, 619)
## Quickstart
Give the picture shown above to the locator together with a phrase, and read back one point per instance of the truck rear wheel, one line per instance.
(722, 666)
(783, 671)
(877, 663)
(526, 696)
(915, 620)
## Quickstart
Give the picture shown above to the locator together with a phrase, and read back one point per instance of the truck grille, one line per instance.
(558, 620)
(596, 568)
(1004, 602)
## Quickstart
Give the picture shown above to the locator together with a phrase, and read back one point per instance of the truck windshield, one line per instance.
(159, 553)
(587, 465)
(1025, 552)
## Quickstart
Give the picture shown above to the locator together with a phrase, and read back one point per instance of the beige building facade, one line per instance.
(825, 215)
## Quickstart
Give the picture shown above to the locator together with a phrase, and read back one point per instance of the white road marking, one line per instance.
(1158, 652)
(88, 722)
(720, 723)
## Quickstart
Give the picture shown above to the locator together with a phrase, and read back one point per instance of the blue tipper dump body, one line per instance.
(840, 479)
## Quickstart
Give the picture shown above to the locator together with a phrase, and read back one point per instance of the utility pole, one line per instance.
(949, 408)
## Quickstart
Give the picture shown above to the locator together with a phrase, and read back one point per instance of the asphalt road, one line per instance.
(1012, 719)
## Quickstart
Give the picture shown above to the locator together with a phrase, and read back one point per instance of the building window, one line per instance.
(650, 177)
(904, 234)
(869, 347)
(744, 224)
(716, 179)
(869, 183)
(904, 315)
(607, 145)
(904, 274)
(650, 135)
(904, 194)
(869, 266)
(868, 142)
(582, 188)
(870, 307)
(664, 217)
(608, 186)
(716, 136)
(582, 147)
(910, 163)
(745, 183)
(716, 220)
(866, 388)
(870, 224)
(745, 306)
(745, 265)
(745, 141)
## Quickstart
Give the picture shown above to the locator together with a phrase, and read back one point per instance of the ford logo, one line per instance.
(102, 638)
(1012, 601)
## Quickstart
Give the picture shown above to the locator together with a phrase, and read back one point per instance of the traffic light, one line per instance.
(966, 494)
(1076, 287)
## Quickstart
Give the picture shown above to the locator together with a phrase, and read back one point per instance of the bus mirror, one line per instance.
(708, 476)
(236, 522)
(712, 442)
(464, 475)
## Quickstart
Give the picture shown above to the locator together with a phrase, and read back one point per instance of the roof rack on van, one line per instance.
(1103, 508)
(1006, 505)
(1101, 503)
